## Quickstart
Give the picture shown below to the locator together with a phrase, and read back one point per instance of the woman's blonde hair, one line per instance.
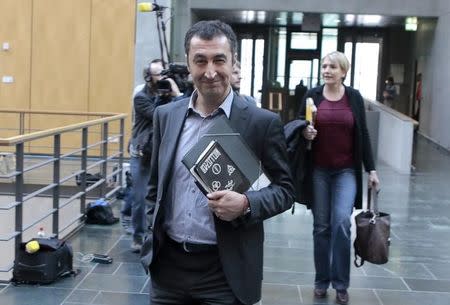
(340, 59)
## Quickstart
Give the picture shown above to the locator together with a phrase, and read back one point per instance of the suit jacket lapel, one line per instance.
(175, 124)
(239, 115)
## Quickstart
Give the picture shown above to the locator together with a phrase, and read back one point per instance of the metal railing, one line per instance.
(104, 148)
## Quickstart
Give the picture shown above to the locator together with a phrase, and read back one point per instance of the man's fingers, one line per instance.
(216, 195)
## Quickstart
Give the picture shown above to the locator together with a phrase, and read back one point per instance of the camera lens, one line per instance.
(163, 86)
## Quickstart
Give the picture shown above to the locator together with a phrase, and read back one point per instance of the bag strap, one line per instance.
(372, 200)
(356, 260)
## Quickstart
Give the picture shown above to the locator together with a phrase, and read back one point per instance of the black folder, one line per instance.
(214, 170)
(236, 149)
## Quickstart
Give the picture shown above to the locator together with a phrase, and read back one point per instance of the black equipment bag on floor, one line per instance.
(53, 260)
(100, 212)
(372, 233)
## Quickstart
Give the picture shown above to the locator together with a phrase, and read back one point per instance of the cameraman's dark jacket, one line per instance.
(145, 103)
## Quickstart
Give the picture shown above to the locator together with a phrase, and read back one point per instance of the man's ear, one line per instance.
(187, 62)
(234, 59)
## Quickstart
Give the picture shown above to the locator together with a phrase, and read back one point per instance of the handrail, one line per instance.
(55, 217)
(394, 112)
(49, 132)
(57, 112)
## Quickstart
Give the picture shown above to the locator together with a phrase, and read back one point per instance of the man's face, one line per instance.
(236, 78)
(155, 71)
(210, 63)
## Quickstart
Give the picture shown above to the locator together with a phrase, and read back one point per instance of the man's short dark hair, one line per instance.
(208, 30)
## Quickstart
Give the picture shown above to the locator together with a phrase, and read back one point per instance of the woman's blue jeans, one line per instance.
(334, 196)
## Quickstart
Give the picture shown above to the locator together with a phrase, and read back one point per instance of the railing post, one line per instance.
(19, 193)
(104, 152)
(22, 123)
(56, 177)
(84, 144)
(121, 147)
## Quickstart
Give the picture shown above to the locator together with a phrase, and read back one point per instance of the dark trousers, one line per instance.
(180, 277)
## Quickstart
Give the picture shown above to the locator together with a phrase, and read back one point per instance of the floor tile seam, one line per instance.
(404, 282)
(87, 274)
(351, 288)
(38, 286)
(95, 297)
(124, 276)
(3, 289)
(436, 280)
(117, 269)
(412, 291)
(300, 293)
(145, 284)
(356, 275)
(122, 292)
(363, 270)
(427, 261)
(395, 235)
(429, 271)
(77, 285)
(377, 296)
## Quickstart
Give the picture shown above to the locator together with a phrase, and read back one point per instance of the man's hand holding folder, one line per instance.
(228, 205)
(224, 167)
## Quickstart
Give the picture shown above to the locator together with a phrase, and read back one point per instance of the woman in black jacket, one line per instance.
(333, 179)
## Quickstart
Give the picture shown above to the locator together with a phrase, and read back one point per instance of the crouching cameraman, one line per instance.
(157, 91)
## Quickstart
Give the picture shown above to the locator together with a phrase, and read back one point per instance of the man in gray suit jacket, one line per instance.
(209, 249)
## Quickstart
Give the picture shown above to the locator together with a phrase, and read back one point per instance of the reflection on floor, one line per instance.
(418, 272)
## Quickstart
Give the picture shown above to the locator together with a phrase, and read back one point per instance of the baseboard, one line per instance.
(434, 143)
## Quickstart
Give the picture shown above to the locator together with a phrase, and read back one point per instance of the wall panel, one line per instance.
(15, 29)
(60, 55)
(60, 61)
(112, 56)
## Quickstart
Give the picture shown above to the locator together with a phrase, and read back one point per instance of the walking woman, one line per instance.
(340, 145)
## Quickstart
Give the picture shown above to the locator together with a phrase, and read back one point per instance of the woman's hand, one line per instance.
(373, 180)
(309, 133)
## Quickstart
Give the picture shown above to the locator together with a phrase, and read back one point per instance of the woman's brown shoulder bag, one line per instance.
(372, 233)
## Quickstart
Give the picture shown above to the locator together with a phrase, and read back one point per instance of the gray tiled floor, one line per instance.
(418, 272)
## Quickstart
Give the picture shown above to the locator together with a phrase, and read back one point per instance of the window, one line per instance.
(303, 41)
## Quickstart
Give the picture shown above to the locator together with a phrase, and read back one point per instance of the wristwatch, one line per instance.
(247, 211)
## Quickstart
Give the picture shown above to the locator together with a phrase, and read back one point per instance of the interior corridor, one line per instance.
(418, 272)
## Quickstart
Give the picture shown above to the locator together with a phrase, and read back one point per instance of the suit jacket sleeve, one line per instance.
(145, 105)
(153, 184)
(279, 195)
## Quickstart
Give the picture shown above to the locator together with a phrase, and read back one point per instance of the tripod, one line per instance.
(161, 27)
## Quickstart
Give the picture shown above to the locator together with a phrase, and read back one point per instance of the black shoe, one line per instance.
(320, 293)
(342, 297)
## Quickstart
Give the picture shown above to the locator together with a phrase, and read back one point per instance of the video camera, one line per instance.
(179, 73)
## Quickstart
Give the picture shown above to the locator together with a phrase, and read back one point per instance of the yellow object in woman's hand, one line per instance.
(310, 110)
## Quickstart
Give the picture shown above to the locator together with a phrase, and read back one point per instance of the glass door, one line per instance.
(364, 74)
(305, 71)
(251, 58)
(364, 51)
(302, 67)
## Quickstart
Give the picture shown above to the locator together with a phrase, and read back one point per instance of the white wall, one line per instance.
(435, 109)
(147, 43)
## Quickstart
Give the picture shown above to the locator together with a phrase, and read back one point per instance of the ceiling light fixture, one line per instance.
(411, 24)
